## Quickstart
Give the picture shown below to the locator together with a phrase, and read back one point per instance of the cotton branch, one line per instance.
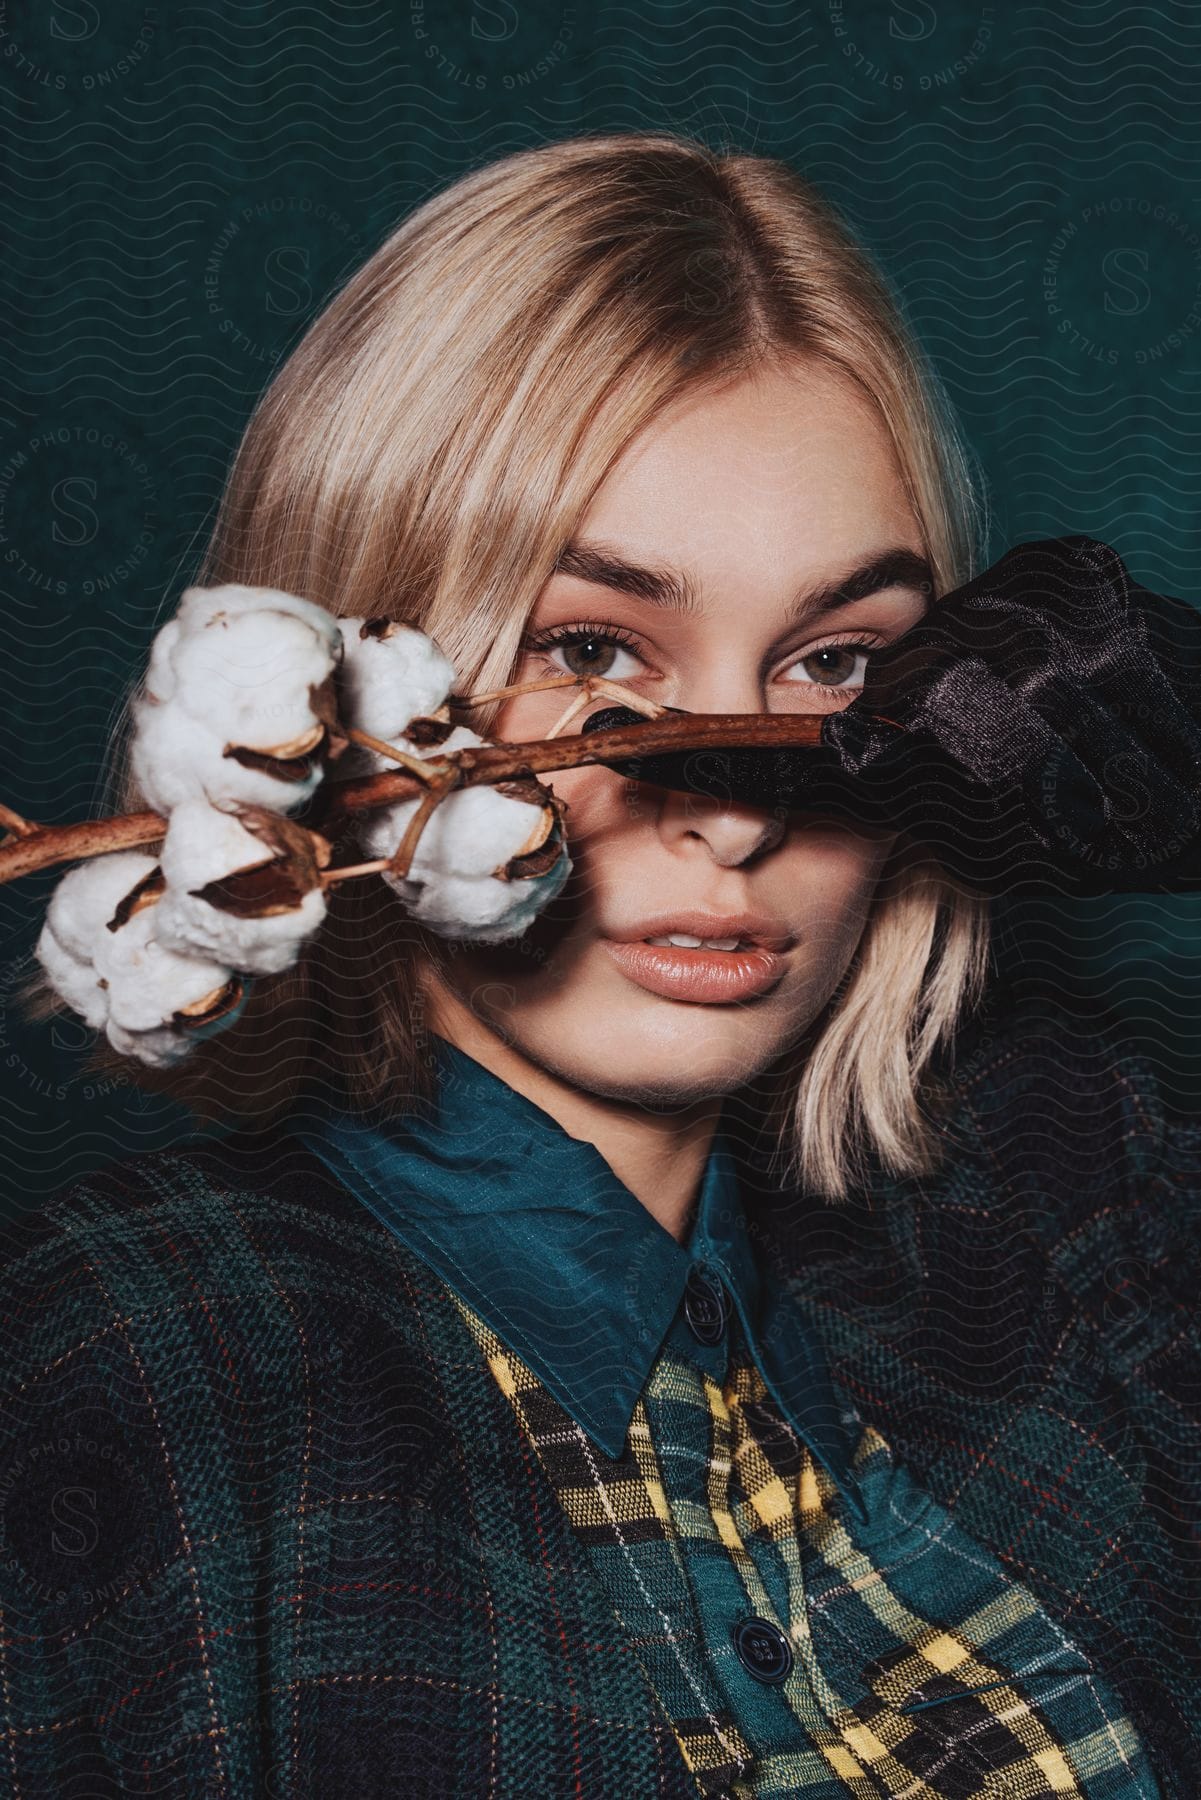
(30, 848)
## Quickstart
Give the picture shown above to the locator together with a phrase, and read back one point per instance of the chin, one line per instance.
(658, 1053)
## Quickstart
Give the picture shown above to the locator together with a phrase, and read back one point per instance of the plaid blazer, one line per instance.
(269, 1526)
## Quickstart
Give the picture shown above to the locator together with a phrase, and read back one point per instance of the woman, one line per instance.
(601, 1367)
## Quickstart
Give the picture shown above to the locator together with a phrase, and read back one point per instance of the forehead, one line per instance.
(783, 470)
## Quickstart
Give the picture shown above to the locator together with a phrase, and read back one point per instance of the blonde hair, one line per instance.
(426, 452)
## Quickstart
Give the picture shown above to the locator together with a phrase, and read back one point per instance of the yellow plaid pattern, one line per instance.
(985, 1698)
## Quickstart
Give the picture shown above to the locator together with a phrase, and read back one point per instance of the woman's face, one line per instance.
(746, 512)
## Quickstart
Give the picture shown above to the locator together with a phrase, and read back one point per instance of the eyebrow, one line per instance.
(606, 567)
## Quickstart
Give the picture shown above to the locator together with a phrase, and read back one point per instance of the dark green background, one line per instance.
(188, 185)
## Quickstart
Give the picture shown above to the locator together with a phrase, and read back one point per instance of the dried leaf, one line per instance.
(142, 894)
(544, 844)
(427, 729)
(211, 1007)
(324, 701)
(280, 882)
(524, 787)
(297, 768)
(532, 863)
(285, 837)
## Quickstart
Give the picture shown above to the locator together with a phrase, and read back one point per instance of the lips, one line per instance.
(709, 977)
(757, 930)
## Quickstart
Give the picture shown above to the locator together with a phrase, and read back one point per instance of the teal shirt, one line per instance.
(918, 1659)
(532, 1228)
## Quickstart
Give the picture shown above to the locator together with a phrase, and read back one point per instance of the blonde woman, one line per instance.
(604, 1367)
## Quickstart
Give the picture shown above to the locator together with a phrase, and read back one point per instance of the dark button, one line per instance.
(763, 1650)
(706, 1305)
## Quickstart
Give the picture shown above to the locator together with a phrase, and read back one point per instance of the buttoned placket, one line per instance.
(749, 1647)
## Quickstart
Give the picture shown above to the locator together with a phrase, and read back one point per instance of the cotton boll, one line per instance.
(239, 680)
(481, 831)
(72, 979)
(382, 830)
(176, 757)
(147, 983)
(87, 896)
(203, 846)
(481, 909)
(160, 1048)
(254, 946)
(159, 679)
(82, 904)
(198, 607)
(390, 674)
(164, 1044)
(201, 608)
(250, 678)
(452, 884)
(168, 1040)
(471, 832)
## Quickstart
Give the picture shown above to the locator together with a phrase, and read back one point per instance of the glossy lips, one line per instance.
(698, 975)
(762, 931)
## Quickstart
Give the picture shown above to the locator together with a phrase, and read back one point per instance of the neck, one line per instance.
(660, 1157)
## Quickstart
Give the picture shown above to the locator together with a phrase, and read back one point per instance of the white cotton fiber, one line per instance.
(450, 885)
(199, 607)
(236, 668)
(176, 758)
(72, 979)
(159, 1048)
(483, 910)
(159, 679)
(250, 677)
(207, 612)
(87, 896)
(471, 832)
(147, 983)
(205, 845)
(121, 980)
(389, 677)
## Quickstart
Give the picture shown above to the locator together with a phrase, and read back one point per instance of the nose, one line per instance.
(726, 830)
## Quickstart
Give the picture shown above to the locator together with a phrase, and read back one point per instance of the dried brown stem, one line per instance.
(12, 821)
(52, 844)
(542, 756)
(46, 846)
(402, 857)
(595, 687)
(516, 687)
(349, 870)
(415, 764)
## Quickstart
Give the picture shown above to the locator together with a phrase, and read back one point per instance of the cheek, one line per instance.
(832, 871)
(600, 804)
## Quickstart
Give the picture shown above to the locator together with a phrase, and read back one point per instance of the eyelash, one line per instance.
(550, 636)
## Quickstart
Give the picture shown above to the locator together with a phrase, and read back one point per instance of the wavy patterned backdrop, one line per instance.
(188, 184)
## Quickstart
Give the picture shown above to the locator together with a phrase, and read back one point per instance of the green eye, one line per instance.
(589, 650)
(834, 665)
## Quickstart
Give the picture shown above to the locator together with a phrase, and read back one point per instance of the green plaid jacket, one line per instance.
(279, 1514)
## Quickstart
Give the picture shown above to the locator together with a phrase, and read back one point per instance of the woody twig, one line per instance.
(28, 848)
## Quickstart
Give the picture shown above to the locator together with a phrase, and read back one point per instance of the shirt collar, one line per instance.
(534, 1231)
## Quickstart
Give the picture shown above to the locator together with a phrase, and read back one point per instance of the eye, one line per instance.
(840, 665)
(588, 650)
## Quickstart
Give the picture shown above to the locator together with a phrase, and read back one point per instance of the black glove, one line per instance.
(1040, 728)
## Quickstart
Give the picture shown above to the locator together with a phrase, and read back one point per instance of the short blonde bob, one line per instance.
(427, 451)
